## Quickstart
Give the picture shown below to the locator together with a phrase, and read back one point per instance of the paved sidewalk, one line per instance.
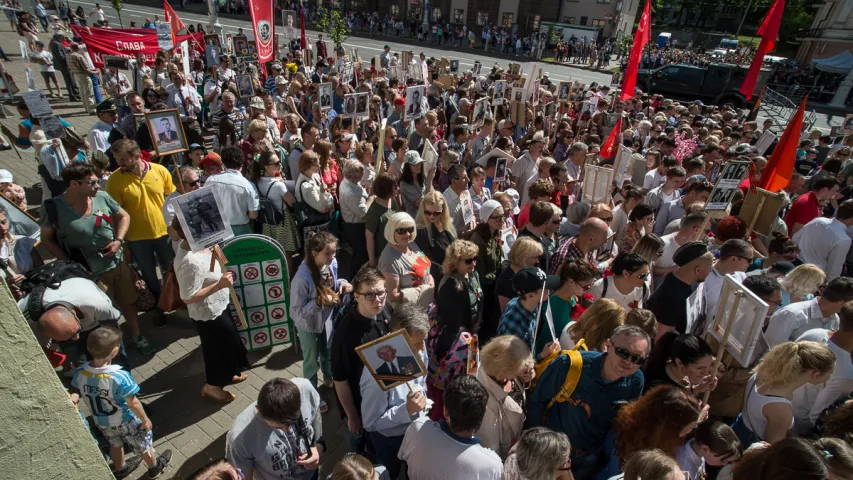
(171, 380)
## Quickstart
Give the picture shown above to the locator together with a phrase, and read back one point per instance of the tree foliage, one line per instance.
(333, 24)
(117, 5)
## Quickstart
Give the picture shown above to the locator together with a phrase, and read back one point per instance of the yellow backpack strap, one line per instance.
(571, 381)
(581, 345)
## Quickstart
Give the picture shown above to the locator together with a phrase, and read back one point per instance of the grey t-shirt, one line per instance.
(272, 453)
(412, 269)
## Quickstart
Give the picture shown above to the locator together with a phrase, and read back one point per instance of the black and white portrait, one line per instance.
(264, 31)
(361, 104)
(481, 109)
(500, 170)
(392, 360)
(167, 131)
(475, 70)
(291, 28)
(202, 219)
(518, 94)
(454, 66)
(349, 105)
(244, 86)
(563, 95)
(414, 108)
(325, 96)
(500, 90)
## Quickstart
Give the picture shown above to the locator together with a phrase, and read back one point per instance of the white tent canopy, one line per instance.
(841, 63)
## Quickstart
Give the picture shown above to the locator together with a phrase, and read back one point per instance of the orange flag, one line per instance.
(611, 144)
(175, 23)
(780, 167)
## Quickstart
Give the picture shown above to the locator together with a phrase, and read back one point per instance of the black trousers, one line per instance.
(354, 233)
(223, 352)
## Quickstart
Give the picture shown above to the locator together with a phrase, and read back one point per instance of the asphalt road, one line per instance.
(369, 48)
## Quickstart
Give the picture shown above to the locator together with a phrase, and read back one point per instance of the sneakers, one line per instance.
(162, 462)
(129, 466)
(143, 345)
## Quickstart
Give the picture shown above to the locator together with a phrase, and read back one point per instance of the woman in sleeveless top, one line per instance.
(767, 413)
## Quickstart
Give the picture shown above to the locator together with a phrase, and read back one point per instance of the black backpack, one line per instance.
(48, 276)
(267, 213)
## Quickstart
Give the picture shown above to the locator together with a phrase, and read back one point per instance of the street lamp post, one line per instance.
(213, 5)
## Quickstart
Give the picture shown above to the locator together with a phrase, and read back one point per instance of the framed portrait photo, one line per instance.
(500, 90)
(392, 359)
(414, 109)
(362, 104)
(244, 85)
(167, 131)
(202, 218)
(325, 94)
(241, 46)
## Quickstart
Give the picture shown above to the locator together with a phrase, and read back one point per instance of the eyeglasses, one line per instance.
(371, 296)
(497, 217)
(607, 219)
(585, 288)
(556, 222)
(92, 183)
(626, 355)
(405, 231)
(431, 214)
(274, 164)
(643, 276)
(748, 259)
(192, 184)
(469, 261)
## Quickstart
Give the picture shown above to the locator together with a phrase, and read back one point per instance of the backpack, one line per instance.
(48, 276)
(267, 213)
(304, 214)
(572, 378)
(645, 290)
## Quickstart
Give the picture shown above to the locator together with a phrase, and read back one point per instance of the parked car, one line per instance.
(717, 84)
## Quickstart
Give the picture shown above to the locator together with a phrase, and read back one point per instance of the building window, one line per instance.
(436, 14)
(459, 15)
(584, 20)
(395, 10)
(569, 20)
(599, 23)
(482, 18)
(507, 19)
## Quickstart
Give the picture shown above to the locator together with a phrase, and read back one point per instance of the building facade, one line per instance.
(831, 31)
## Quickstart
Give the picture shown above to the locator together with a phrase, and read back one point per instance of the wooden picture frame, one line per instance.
(202, 217)
(597, 182)
(760, 209)
(244, 86)
(409, 364)
(729, 179)
(167, 138)
(747, 314)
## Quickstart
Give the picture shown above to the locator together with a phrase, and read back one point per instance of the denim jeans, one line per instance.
(386, 452)
(148, 254)
(315, 355)
(356, 442)
(96, 86)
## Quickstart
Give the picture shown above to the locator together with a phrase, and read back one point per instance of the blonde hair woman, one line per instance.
(435, 230)
(364, 154)
(595, 326)
(767, 411)
(404, 266)
(525, 252)
(460, 263)
(801, 283)
(506, 365)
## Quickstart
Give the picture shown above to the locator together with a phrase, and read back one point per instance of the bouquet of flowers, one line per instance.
(584, 302)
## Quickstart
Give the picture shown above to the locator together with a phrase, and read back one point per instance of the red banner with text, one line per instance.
(264, 25)
(127, 42)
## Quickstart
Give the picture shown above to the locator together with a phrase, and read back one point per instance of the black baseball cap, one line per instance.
(531, 279)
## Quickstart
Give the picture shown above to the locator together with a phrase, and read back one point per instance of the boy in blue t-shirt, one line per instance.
(110, 393)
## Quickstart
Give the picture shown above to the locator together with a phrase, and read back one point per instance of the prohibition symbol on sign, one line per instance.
(272, 270)
(257, 317)
(260, 337)
(280, 333)
(251, 273)
(275, 292)
(277, 313)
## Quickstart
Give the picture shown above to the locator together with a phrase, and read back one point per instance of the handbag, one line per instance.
(145, 300)
(170, 292)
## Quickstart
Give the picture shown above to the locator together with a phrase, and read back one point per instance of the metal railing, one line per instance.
(781, 109)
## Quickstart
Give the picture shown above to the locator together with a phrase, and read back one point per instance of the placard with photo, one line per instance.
(325, 96)
(362, 104)
(500, 91)
(563, 91)
(414, 106)
(202, 218)
(290, 20)
(747, 322)
(454, 66)
(475, 70)
(392, 359)
(349, 105)
(481, 109)
(244, 86)
(241, 46)
(728, 181)
(167, 131)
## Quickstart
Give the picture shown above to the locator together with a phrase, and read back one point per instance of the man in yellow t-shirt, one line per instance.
(141, 188)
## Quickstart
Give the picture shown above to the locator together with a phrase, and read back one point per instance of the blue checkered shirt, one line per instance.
(517, 320)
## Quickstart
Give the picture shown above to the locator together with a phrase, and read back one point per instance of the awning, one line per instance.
(841, 63)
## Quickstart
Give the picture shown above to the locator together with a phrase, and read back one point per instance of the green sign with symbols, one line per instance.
(262, 285)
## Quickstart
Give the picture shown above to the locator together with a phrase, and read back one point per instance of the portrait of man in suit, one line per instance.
(167, 131)
(415, 107)
(394, 365)
(325, 96)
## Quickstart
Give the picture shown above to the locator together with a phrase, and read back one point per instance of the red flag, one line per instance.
(641, 38)
(175, 22)
(303, 43)
(769, 32)
(611, 144)
(780, 167)
(264, 25)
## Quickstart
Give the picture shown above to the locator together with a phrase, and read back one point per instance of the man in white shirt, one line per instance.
(824, 241)
(735, 257)
(449, 450)
(667, 192)
(238, 195)
(100, 132)
(789, 323)
(524, 167)
(459, 201)
(689, 231)
(811, 400)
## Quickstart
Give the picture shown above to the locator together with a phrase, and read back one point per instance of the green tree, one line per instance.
(117, 5)
(333, 24)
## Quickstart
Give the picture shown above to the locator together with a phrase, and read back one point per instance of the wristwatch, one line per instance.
(121, 241)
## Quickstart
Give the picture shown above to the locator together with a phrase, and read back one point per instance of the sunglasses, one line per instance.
(626, 355)
(92, 183)
(192, 184)
(432, 214)
(274, 164)
(497, 217)
(469, 261)
(405, 231)
(371, 296)
(607, 219)
(643, 276)
(556, 222)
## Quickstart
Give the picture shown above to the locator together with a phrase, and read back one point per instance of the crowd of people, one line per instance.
(562, 333)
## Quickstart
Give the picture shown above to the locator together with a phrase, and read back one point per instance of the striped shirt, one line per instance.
(107, 390)
(236, 116)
